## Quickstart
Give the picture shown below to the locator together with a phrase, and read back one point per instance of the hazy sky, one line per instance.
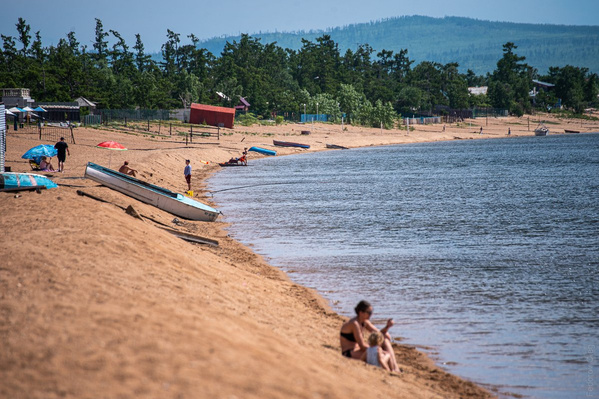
(206, 19)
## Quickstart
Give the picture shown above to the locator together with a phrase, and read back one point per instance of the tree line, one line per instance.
(369, 87)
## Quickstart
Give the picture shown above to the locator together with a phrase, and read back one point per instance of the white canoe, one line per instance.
(169, 201)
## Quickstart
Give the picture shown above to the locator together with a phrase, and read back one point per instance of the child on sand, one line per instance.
(187, 173)
(374, 354)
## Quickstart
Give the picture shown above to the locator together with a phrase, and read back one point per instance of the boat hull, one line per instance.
(10, 180)
(263, 151)
(289, 144)
(171, 202)
(336, 147)
(540, 132)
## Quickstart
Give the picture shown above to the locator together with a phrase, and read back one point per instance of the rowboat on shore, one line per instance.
(263, 151)
(571, 131)
(541, 130)
(12, 181)
(336, 147)
(160, 197)
(289, 144)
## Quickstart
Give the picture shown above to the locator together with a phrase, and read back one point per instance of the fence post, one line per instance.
(40, 130)
(72, 135)
(159, 124)
(148, 124)
(170, 129)
(186, 140)
(191, 134)
(125, 121)
(218, 133)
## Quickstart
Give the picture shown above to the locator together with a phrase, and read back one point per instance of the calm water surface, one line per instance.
(485, 252)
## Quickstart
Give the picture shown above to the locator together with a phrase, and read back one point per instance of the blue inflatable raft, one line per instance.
(263, 151)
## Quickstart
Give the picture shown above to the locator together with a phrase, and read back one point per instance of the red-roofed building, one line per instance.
(212, 115)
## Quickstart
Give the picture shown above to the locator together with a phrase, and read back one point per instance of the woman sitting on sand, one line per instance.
(45, 165)
(352, 331)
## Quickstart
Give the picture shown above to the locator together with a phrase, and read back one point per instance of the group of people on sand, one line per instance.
(376, 348)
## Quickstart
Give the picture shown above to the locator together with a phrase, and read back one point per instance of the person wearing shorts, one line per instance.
(63, 149)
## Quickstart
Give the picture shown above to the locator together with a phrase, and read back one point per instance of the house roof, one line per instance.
(223, 96)
(478, 90)
(244, 101)
(213, 108)
(84, 102)
(543, 84)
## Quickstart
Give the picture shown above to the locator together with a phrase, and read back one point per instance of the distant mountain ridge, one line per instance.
(474, 44)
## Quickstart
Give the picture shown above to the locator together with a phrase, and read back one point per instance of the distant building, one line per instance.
(538, 86)
(478, 91)
(212, 115)
(243, 105)
(85, 103)
(60, 112)
(17, 98)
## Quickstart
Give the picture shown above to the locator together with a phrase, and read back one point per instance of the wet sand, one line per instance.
(95, 303)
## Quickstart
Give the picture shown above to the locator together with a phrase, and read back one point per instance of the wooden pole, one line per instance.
(170, 129)
(191, 134)
(148, 124)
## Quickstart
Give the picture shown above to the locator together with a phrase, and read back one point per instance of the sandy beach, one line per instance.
(95, 303)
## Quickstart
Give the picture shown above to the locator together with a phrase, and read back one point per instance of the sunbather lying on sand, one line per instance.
(352, 331)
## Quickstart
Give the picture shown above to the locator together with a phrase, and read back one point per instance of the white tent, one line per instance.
(7, 112)
(15, 110)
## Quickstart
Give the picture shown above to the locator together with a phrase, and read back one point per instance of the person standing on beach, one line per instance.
(353, 344)
(509, 131)
(187, 173)
(63, 149)
(481, 130)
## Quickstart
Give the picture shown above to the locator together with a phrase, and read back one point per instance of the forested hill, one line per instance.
(472, 43)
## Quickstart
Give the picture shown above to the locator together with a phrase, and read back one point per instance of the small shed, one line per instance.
(212, 115)
(244, 105)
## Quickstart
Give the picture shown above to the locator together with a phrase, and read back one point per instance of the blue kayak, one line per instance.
(16, 180)
(263, 151)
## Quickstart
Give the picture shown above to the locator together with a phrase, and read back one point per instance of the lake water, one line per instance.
(486, 252)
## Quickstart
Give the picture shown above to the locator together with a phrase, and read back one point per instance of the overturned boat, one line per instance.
(160, 197)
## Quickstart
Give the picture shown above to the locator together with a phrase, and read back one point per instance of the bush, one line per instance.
(247, 119)
(279, 120)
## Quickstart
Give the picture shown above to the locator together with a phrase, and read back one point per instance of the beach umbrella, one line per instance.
(27, 109)
(42, 150)
(111, 145)
(16, 110)
(39, 109)
(7, 112)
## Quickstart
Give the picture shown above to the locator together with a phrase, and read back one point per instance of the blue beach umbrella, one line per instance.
(42, 150)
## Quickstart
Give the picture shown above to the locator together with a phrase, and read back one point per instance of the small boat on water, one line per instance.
(336, 147)
(571, 131)
(289, 144)
(160, 197)
(264, 151)
(27, 181)
(541, 130)
(224, 164)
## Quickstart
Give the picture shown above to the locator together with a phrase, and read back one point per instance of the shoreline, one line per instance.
(93, 299)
